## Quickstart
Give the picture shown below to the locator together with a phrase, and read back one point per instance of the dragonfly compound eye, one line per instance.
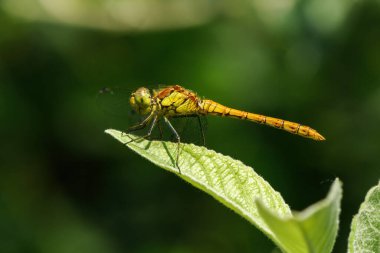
(141, 101)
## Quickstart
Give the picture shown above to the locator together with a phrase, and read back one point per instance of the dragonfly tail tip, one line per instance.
(320, 138)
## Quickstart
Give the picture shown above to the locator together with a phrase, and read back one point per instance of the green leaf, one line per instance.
(312, 230)
(229, 181)
(365, 227)
(240, 188)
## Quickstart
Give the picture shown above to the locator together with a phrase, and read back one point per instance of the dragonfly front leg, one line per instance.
(160, 129)
(142, 125)
(154, 123)
(202, 130)
(178, 138)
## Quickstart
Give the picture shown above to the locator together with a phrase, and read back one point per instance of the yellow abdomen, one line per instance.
(214, 108)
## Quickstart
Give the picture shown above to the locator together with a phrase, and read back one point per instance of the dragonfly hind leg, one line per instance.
(178, 138)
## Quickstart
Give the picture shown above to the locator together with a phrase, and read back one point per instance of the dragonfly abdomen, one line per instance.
(214, 108)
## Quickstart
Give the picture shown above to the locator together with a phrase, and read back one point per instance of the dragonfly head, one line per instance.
(141, 101)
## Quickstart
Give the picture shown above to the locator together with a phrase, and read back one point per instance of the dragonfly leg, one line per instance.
(141, 125)
(160, 129)
(154, 122)
(202, 130)
(178, 138)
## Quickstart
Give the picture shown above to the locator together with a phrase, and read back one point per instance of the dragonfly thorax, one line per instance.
(141, 101)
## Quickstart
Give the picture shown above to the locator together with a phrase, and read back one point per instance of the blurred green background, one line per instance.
(67, 187)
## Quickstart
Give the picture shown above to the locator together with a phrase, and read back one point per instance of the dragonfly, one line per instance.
(177, 101)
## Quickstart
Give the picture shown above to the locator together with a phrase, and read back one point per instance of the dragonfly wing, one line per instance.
(190, 128)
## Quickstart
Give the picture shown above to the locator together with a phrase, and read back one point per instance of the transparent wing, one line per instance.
(191, 129)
